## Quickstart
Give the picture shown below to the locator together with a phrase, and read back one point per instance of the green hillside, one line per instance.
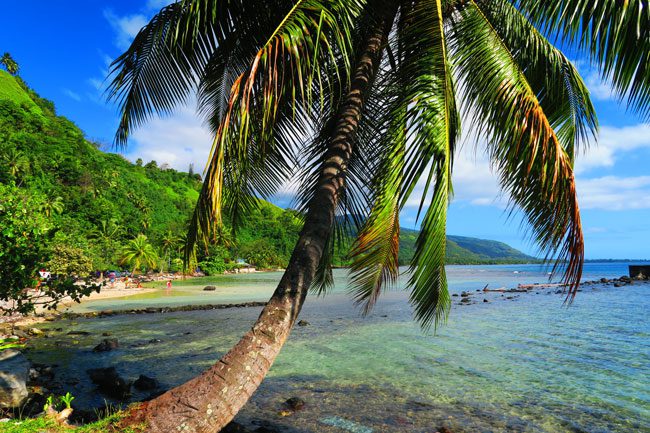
(465, 250)
(99, 201)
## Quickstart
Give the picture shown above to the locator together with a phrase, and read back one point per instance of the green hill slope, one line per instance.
(99, 201)
(465, 250)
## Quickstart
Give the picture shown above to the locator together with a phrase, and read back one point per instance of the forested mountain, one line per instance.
(98, 202)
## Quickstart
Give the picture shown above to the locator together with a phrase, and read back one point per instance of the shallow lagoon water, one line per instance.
(523, 365)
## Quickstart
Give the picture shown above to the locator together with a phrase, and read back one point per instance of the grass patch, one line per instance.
(10, 89)
(48, 425)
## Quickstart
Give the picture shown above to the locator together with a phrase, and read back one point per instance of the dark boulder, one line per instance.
(303, 323)
(295, 403)
(145, 383)
(209, 288)
(110, 383)
(14, 373)
(106, 345)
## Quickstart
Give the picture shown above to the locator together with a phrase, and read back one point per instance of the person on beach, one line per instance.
(169, 285)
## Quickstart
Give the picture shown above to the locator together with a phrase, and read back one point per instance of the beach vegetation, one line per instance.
(139, 253)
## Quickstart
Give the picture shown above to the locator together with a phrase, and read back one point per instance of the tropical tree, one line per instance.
(52, 205)
(9, 63)
(169, 243)
(360, 102)
(139, 252)
(16, 163)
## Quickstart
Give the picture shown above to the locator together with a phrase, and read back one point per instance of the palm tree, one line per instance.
(107, 230)
(52, 205)
(169, 243)
(107, 234)
(17, 164)
(363, 97)
(139, 252)
(9, 63)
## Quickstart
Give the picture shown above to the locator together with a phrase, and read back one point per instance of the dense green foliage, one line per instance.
(98, 203)
(26, 245)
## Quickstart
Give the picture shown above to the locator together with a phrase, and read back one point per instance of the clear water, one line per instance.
(525, 364)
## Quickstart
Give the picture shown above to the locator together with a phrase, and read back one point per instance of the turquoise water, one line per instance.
(525, 364)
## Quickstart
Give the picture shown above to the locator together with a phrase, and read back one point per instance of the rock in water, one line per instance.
(14, 371)
(303, 323)
(106, 345)
(295, 403)
(145, 383)
(109, 382)
(209, 288)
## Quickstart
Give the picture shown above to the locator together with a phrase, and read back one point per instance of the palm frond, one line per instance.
(434, 127)
(416, 149)
(616, 35)
(555, 81)
(312, 35)
(533, 166)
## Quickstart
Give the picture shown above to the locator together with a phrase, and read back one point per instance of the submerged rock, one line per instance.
(145, 383)
(106, 345)
(35, 332)
(295, 403)
(14, 372)
(303, 323)
(109, 382)
(209, 288)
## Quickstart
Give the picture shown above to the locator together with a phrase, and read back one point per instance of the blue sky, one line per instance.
(64, 53)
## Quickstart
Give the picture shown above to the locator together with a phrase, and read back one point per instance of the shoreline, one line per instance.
(11, 323)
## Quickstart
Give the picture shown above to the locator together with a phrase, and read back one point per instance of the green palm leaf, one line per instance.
(616, 34)
(533, 166)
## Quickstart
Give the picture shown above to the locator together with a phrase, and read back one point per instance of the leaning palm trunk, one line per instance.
(210, 401)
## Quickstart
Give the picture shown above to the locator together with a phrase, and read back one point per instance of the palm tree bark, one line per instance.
(211, 400)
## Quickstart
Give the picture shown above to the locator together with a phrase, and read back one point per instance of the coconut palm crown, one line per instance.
(360, 101)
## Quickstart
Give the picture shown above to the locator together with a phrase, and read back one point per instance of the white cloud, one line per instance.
(611, 143)
(126, 27)
(178, 140)
(614, 193)
(472, 179)
(69, 93)
(96, 83)
(598, 88)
